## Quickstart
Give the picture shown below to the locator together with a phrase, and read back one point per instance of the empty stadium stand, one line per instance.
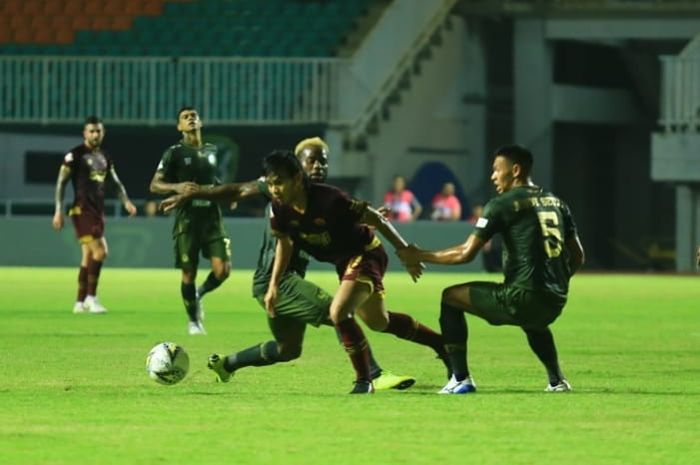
(293, 28)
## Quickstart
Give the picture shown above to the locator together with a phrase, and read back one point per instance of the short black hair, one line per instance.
(517, 154)
(185, 108)
(92, 119)
(282, 162)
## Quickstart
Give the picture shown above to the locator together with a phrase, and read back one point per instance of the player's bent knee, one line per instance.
(289, 353)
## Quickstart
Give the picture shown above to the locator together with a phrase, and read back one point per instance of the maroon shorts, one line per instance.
(88, 224)
(367, 268)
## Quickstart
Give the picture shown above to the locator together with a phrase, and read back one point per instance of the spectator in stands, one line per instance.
(401, 202)
(446, 205)
(88, 166)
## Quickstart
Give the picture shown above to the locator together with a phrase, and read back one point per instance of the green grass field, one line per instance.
(73, 389)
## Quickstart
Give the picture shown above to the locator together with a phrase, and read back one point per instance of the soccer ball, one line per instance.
(167, 363)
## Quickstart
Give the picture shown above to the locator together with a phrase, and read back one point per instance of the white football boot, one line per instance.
(79, 307)
(196, 329)
(92, 305)
(453, 386)
(561, 386)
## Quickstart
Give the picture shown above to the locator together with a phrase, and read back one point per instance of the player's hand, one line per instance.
(186, 187)
(385, 211)
(270, 299)
(130, 208)
(171, 203)
(57, 221)
(416, 271)
(409, 255)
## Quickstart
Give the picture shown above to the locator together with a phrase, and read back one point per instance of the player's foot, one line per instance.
(195, 328)
(453, 386)
(362, 386)
(79, 308)
(200, 309)
(561, 386)
(216, 364)
(388, 380)
(92, 305)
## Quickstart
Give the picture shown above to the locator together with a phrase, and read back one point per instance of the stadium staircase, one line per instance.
(260, 28)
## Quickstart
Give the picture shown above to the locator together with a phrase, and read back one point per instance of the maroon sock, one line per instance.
(355, 345)
(93, 276)
(82, 283)
(406, 327)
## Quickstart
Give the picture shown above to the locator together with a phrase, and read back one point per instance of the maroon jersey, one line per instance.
(329, 229)
(88, 173)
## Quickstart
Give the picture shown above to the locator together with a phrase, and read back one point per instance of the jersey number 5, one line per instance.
(553, 242)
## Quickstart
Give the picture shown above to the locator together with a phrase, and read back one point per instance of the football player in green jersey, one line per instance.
(185, 167)
(300, 302)
(542, 251)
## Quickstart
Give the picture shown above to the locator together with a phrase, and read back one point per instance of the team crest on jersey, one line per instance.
(481, 222)
(320, 222)
(212, 159)
(188, 161)
(88, 161)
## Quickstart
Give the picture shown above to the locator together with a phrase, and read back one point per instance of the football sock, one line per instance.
(93, 276)
(455, 333)
(258, 355)
(82, 283)
(189, 298)
(355, 345)
(209, 284)
(375, 370)
(542, 344)
(406, 327)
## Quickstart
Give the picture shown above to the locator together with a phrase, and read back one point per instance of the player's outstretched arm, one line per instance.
(63, 177)
(462, 253)
(160, 186)
(376, 219)
(121, 192)
(232, 192)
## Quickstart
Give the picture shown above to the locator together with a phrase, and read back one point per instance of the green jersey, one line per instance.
(183, 162)
(535, 226)
(263, 272)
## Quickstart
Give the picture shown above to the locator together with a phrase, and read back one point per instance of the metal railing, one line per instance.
(149, 90)
(680, 90)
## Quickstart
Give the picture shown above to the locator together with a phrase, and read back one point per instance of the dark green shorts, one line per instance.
(300, 300)
(188, 246)
(504, 305)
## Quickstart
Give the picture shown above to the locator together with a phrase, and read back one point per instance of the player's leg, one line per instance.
(186, 259)
(82, 279)
(98, 251)
(349, 297)
(483, 299)
(535, 311)
(541, 342)
(218, 250)
(401, 325)
(305, 301)
(220, 267)
(287, 345)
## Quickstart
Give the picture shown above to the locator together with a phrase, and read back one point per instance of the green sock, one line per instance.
(209, 284)
(258, 355)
